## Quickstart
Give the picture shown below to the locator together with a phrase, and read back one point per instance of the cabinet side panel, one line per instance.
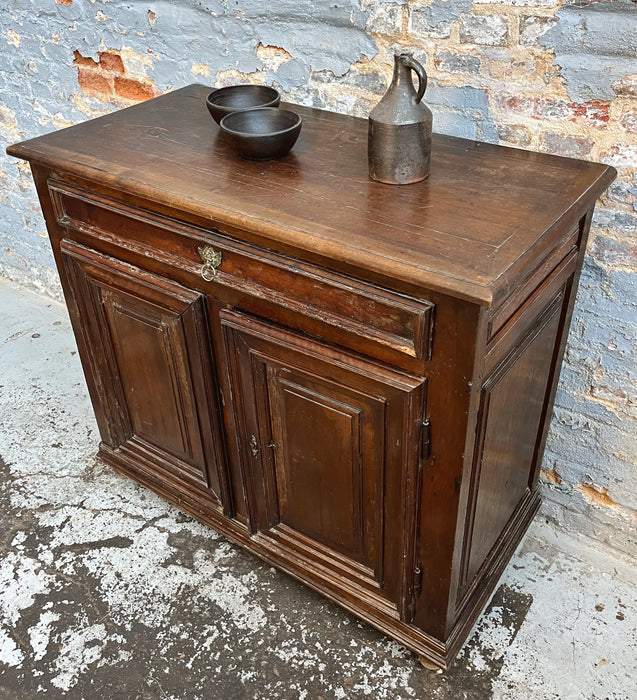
(112, 428)
(512, 403)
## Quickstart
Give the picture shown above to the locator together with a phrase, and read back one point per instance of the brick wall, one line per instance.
(549, 75)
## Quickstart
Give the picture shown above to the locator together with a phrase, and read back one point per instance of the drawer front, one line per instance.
(340, 309)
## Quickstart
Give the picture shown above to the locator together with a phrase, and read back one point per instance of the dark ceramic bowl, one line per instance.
(237, 97)
(262, 134)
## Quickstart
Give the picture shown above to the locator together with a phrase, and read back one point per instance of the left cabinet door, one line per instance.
(145, 346)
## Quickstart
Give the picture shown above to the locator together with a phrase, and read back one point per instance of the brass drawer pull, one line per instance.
(211, 261)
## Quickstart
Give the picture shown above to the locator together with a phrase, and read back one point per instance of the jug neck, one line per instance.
(402, 74)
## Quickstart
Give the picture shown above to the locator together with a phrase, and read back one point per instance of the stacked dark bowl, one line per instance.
(250, 118)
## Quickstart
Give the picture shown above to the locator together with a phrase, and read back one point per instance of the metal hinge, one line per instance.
(417, 581)
(425, 445)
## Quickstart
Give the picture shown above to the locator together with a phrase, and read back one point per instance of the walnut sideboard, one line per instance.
(349, 379)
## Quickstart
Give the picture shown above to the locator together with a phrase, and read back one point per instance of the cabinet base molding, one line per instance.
(191, 503)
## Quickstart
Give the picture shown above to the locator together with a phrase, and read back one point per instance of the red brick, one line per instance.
(620, 155)
(629, 121)
(515, 103)
(79, 60)
(566, 145)
(94, 83)
(134, 89)
(596, 112)
(515, 133)
(627, 85)
(552, 109)
(111, 61)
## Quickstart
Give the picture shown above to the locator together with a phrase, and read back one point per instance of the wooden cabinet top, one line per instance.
(473, 229)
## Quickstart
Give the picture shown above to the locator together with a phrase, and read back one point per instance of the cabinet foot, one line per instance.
(429, 665)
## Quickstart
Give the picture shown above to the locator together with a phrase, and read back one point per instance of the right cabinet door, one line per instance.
(328, 448)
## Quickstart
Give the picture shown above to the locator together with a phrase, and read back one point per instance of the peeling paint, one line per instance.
(595, 46)
(551, 476)
(200, 69)
(273, 57)
(598, 495)
(13, 38)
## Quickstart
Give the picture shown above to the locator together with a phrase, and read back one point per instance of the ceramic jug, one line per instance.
(399, 145)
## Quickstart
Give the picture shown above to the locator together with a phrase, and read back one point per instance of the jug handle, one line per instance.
(420, 72)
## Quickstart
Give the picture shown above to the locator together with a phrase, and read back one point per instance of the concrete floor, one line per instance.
(107, 591)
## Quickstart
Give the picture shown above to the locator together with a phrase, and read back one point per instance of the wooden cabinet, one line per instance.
(358, 389)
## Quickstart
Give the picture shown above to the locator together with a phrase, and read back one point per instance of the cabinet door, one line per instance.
(145, 346)
(328, 447)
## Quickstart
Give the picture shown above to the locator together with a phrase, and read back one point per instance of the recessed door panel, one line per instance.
(149, 343)
(329, 467)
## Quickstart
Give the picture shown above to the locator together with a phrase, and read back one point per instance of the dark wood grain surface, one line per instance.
(484, 210)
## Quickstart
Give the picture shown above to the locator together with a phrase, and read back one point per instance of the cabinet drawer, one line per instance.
(335, 307)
